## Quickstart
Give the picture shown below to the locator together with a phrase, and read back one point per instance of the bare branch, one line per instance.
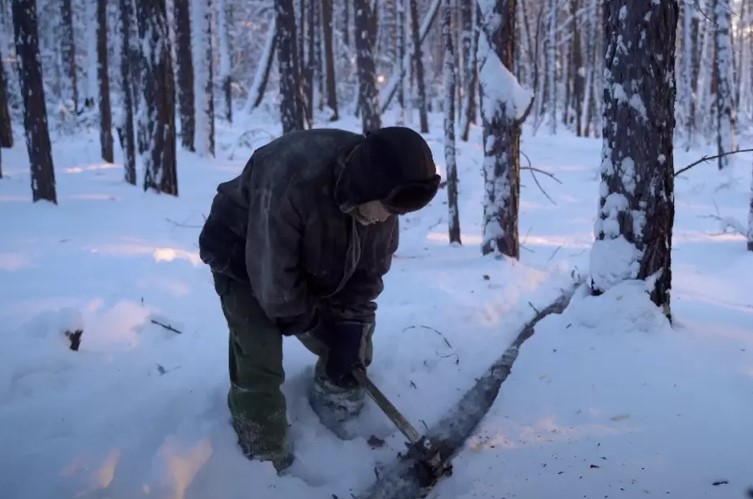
(533, 169)
(183, 225)
(708, 158)
(166, 326)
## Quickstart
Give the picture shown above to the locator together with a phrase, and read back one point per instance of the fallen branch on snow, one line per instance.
(727, 223)
(400, 480)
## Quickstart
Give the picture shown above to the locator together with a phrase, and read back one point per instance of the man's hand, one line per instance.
(346, 342)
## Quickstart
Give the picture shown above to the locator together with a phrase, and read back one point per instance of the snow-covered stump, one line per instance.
(156, 120)
(633, 229)
(503, 103)
(725, 128)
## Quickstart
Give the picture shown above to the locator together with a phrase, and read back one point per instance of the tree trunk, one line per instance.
(750, 220)
(687, 72)
(368, 94)
(551, 66)
(6, 127)
(203, 77)
(501, 128)
(126, 15)
(184, 61)
(68, 49)
(157, 119)
(471, 84)
(391, 88)
(310, 62)
(261, 77)
(636, 208)
(725, 123)
(319, 56)
(450, 79)
(578, 69)
(346, 22)
(32, 90)
(224, 20)
(418, 64)
(103, 77)
(291, 108)
(329, 58)
(400, 56)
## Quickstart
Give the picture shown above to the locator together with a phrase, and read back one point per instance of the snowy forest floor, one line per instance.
(605, 400)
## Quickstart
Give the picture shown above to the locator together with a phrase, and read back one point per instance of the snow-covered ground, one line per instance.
(139, 410)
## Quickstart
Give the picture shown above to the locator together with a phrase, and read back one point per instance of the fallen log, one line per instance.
(400, 480)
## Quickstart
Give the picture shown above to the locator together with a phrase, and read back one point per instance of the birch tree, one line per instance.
(33, 95)
(686, 95)
(224, 20)
(725, 131)
(470, 37)
(633, 229)
(103, 78)
(203, 76)
(503, 104)
(450, 80)
(157, 111)
(369, 95)
(184, 73)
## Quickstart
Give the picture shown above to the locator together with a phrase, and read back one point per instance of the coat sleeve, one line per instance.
(356, 300)
(273, 262)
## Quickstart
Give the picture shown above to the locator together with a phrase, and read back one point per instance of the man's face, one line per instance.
(371, 212)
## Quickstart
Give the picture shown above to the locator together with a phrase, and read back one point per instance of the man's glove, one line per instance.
(346, 342)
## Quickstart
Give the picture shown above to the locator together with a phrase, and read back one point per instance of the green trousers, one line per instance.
(256, 402)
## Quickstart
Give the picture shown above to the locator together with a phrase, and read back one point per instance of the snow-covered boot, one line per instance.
(337, 407)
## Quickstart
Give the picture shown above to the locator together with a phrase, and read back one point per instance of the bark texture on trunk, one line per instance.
(103, 77)
(369, 95)
(157, 116)
(291, 107)
(184, 63)
(32, 91)
(501, 130)
(636, 208)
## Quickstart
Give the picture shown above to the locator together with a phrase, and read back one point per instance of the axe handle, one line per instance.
(390, 410)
